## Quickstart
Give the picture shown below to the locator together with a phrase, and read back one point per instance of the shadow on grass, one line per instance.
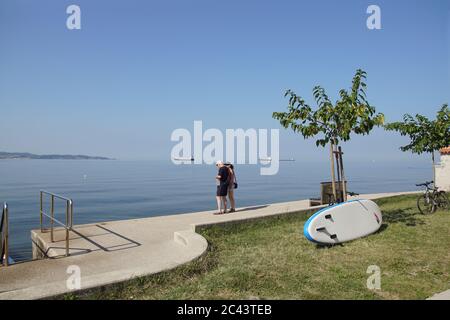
(320, 246)
(383, 227)
(407, 217)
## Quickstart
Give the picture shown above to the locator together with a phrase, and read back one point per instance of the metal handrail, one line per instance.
(69, 215)
(4, 236)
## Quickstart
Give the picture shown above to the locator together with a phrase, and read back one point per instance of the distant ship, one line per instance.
(184, 159)
(269, 159)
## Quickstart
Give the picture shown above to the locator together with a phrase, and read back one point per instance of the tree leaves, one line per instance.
(334, 122)
(425, 135)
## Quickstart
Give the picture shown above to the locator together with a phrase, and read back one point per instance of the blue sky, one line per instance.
(137, 70)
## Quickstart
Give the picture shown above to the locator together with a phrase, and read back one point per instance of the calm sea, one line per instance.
(112, 190)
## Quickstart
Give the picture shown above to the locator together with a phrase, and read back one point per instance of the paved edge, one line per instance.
(441, 296)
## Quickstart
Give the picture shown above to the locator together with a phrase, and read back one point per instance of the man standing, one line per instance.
(222, 179)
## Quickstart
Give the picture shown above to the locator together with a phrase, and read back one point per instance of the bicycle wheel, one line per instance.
(425, 204)
(442, 201)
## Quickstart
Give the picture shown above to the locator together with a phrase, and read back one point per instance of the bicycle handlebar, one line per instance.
(425, 184)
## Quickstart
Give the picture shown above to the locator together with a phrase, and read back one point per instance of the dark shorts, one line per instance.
(222, 190)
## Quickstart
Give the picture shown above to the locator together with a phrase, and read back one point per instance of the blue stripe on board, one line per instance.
(308, 222)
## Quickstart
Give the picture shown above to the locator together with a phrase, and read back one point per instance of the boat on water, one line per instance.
(269, 159)
(184, 159)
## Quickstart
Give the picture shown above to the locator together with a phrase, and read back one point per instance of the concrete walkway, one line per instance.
(441, 296)
(115, 251)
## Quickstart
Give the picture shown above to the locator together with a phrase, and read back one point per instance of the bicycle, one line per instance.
(431, 199)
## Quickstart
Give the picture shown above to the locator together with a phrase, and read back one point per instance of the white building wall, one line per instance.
(443, 173)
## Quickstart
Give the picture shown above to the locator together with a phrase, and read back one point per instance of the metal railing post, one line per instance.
(67, 227)
(71, 214)
(41, 217)
(52, 213)
(6, 222)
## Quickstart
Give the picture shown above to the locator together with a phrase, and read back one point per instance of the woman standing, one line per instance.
(232, 185)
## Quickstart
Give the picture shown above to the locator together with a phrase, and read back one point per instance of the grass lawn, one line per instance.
(271, 259)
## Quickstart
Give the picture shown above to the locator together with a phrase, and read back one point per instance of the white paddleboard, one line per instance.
(343, 222)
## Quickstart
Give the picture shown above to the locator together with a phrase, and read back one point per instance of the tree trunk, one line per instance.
(344, 189)
(333, 178)
(338, 165)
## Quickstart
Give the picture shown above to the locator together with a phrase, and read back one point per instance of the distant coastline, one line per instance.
(31, 156)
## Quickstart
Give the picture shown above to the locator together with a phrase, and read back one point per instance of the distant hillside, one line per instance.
(26, 155)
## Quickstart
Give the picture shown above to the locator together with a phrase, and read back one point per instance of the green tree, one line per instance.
(426, 136)
(331, 122)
